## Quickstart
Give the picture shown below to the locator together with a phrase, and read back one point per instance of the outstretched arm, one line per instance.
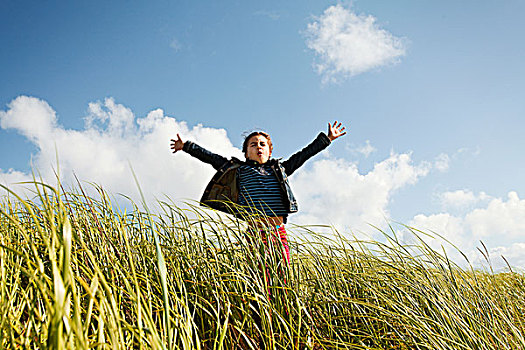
(198, 152)
(321, 142)
(335, 130)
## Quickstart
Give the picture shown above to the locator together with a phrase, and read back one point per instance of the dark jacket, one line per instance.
(224, 185)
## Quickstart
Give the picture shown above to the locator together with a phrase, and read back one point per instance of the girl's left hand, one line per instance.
(336, 130)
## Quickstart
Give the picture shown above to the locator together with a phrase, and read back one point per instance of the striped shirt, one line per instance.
(260, 190)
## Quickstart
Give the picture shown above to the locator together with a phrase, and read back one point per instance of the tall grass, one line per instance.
(78, 273)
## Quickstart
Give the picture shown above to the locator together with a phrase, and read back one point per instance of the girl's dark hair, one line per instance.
(256, 133)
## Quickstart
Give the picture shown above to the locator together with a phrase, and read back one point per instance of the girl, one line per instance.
(258, 185)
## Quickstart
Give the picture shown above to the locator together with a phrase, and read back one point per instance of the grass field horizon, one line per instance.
(79, 273)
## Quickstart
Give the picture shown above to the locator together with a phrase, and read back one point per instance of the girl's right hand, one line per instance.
(177, 144)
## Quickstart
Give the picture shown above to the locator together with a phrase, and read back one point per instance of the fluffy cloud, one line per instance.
(501, 218)
(442, 228)
(112, 140)
(348, 44)
(497, 222)
(14, 180)
(332, 191)
(365, 149)
(30, 117)
(442, 162)
(461, 199)
(513, 254)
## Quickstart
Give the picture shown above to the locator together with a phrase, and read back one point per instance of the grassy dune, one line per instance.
(78, 273)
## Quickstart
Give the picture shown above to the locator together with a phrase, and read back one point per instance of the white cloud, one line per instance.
(444, 225)
(505, 219)
(33, 118)
(514, 254)
(115, 119)
(496, 222)
(348, 44)
(332, 191)
(365, 149)
(461, 199)
(442, 162)
(112, 139)
(12, 179)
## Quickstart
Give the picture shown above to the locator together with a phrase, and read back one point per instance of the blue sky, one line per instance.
(432, 93)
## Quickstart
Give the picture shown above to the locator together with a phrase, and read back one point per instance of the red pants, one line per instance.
(278, 234)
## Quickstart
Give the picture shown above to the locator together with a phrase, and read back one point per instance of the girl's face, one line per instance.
(258, 149)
